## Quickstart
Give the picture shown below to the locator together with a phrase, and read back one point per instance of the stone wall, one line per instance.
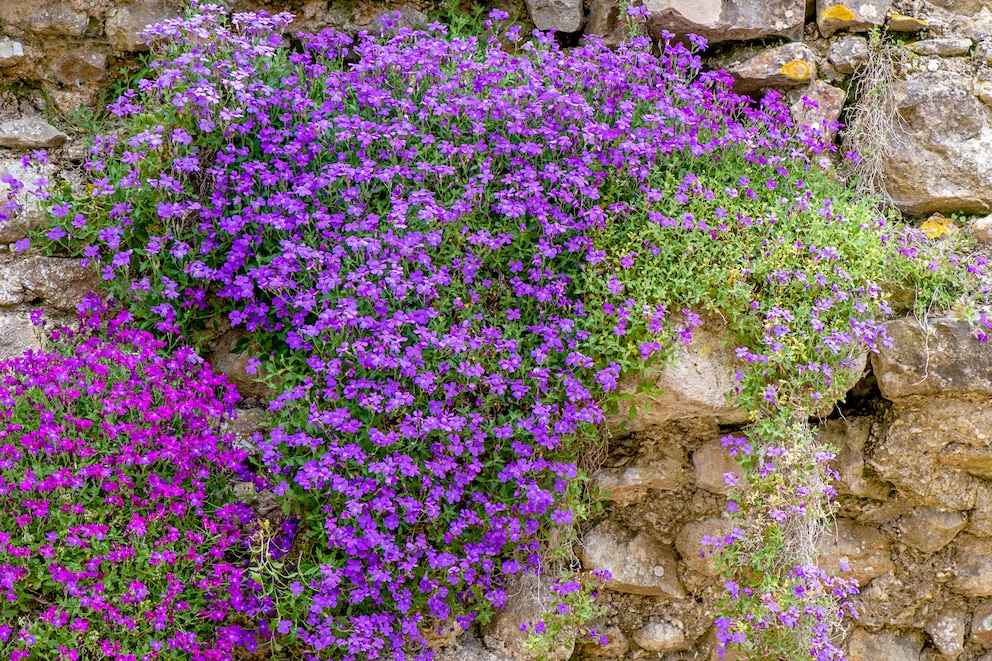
(915, 435)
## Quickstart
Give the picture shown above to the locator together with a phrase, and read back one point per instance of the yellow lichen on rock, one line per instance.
(837, 13)
(797, 70)
(937, 225)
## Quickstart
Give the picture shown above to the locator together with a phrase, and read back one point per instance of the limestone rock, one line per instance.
(820, 106)
(30, 133)
(11, 52)
(245, 425)
(981, 229)
(904, 23)
(696, 384)
(980, 520)
(711, 462)
(661, 636)
(973, 567)
(942, 152)
(48, 17)
(865, 646)
(638, 564)
(560, 15)
(15, 229)
(941, 47)
(689, 543)
(930, 529)
(850, 436)
(53, 282)
(82, 65)
(981, 623)
(852, 15)
(916, 453)
(947, 633)
(124, 28)
(944, 359)
(849, 54)
(616, 644)
(529, 598)
(785, 66)
(467, 647)
(727, 20)
(657, 470)
(17, 335)
(866, 550)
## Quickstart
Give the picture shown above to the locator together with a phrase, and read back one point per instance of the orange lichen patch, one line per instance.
(797, 70)
(837, 13)
(937, 226)
(903, 23)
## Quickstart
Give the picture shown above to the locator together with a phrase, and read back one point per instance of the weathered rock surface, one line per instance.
(947, 633)
(528, 598)
(941, 47)
(980, 518)
(785, 66)
(11, 52)
(866, 550)
(930, 361)
(560, 15)
(468, 647)
(54, 282)
(849, 54)
(981, 229)
(125, 26)
(727, 20)
(638, 563)
(973, 566)
(981, 623)
(15, 229)
(865, 646)
(616, 643)
(657, 470)
(852, 15)
(661, 636)
(929, 529)
(820, 107)
(604, 21)
(30, 133)
(17, 335)
(711, 462)
(850, 437)
(79, 66)
(689, 543)
(46, 17)
(904, 23)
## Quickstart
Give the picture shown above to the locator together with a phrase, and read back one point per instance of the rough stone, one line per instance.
(981, 229)
(30, 133)
(785, 66)
(973, 566)
(947, 633)
(82, 65)
(46, 17)
(11, 52)
(124, 27)
(711, 462)
(941, 156)
(697, 383)
(222, 358)
(983, 91)
(904, 23)
(31, 213)
(17, 335)
(942, 359)
(244, 427)
(929, 529)
(941, 47)
(727, 20)
(829, 102)
(616, 643)
(626, 484)
(930, 447)
(849, 54)
(866, 550)
(865, 646)
(689, 543)
(58, 283)
(850, 437)
(980, 519)
(468, 647)
(638, 564)
(851, 15)
(604, 21)
(528, 598)
(981, 623)
(661, 636)
(560, 15)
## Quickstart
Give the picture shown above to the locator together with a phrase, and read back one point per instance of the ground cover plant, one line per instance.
(447, 254)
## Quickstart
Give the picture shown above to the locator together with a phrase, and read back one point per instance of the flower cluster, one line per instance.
(120, 535)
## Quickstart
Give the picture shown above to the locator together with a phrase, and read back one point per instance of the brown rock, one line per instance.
(125, 26)
(980, 520)
(529, 598)
(973, 563)
(17, 335)
(864, 549)
(711, 462)
(60, 283)
(785, 66)
(661, 636)
(981, 623)
(727, 20)
(903, 23)
(829, 102)
(82, 65)
(604, 21)
(944, 359)
(638, 564)
(30, 133)
(560, 15)
(930, 529)
(657, 470)
(865, 646)
(222, 358)
(11, 52)
(947, 633)
(849, 436)
(981, 229)
(849, 54)
(852, 15)
(689, 543)
(50, 17)
(616, 643)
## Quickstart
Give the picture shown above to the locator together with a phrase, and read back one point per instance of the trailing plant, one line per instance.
(448, 252)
